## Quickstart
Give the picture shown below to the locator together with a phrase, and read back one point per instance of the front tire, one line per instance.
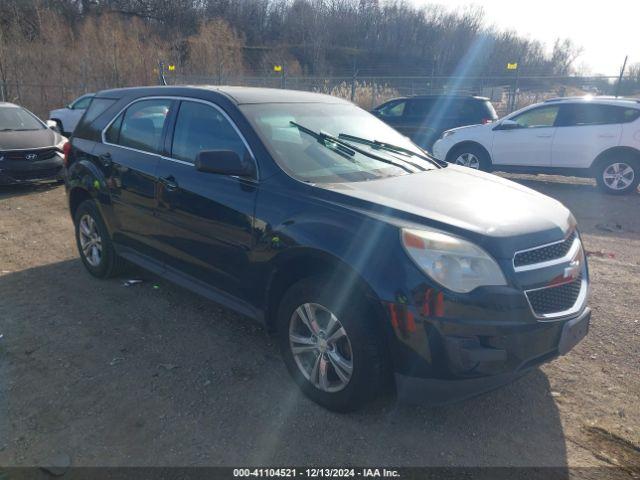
(94, 244)
(330, 346)
(472, 156)
(618, 176)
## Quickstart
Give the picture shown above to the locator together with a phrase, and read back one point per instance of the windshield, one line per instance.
(18, 119)
(304, 157)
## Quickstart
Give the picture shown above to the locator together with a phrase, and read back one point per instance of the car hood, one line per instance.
(29, 139)
(57, 111)
(482, 204)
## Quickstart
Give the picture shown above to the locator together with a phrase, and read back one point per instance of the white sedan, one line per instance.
(584, 136)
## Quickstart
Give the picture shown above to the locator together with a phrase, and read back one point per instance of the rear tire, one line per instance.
(354, 366)
(471, 156)
(94, 244)
(618, 175)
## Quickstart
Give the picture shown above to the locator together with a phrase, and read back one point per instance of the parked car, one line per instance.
(29, 149)
(371, 261)
(423, 118)
(68, 117)
(595, 137)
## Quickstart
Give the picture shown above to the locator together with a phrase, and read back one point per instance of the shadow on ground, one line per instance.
(115, 375)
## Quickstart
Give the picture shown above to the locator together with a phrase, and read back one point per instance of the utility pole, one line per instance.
(624, 65)
(353, 80)
(161, 79)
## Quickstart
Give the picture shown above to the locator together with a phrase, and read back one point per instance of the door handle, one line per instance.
(169, 183)
(543, 135)
(606, 135)
(105, 159)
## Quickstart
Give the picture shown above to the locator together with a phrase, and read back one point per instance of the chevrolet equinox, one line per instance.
(375, 265)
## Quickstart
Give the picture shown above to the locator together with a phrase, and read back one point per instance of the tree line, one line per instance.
(93, 44)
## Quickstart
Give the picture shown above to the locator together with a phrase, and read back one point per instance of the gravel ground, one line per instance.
(104, 374)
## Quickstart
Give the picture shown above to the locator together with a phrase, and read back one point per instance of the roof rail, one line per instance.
(592, 97)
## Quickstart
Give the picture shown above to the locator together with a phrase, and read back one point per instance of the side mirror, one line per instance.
(508, 125)
(224, 162)
(53, 125)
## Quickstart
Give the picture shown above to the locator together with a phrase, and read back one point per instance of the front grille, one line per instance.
(555, 299)
(21, 155)
(544, 254)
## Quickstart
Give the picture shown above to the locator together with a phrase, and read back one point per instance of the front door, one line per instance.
(530, 144)
(207, 218)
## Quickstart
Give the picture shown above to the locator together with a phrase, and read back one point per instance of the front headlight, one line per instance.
(453, 262)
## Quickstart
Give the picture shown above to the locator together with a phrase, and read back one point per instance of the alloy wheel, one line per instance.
(90, 240)
(321, 347)
(618, 176)
(468, 160)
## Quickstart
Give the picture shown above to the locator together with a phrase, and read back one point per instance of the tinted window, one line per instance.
(593, 114)
(538, 117)
(96, 107)
(201, 127)
(140, 126)
(420, 106)
(82, 103)
(392, 109)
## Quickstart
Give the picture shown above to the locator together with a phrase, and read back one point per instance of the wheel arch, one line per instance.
(623, 151)
(294, 266)
(77, 195)
(467, 143)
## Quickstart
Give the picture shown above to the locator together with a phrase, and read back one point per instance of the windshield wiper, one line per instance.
(322, 138)
(393, 148)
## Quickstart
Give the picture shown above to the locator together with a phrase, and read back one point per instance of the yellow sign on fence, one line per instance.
(277, 68)
(512, 66)
(172, 68)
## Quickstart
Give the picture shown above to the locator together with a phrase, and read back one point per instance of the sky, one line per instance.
(607, 30)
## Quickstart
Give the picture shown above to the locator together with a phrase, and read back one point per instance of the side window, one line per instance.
(112, 135)
(419, 107)
(201, 127)
(538, 117)
(96, 107)
(629, 115)
(393, 109)
(82, 103)
(140, 126)
(590, 114)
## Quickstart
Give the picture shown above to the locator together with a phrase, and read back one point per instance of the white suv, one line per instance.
(583, 136)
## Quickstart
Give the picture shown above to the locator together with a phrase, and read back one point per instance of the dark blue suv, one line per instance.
(375, 265)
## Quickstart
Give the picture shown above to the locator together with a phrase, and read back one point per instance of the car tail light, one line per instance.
(66, 149)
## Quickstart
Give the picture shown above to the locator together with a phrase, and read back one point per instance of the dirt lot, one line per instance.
(154, 375)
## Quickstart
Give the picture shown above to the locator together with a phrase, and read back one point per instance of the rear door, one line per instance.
(207, 219)
(129, 157)
(584, 131)
(530, 144)
(419, 122)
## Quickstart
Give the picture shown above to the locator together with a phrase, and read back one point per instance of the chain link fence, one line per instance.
(507, 93)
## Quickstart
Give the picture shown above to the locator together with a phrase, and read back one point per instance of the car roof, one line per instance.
(452, 96)
(238, 95)
(9, 105)
(602, 99)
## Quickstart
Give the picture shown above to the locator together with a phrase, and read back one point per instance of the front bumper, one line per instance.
(15, 172)
(471, 364)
